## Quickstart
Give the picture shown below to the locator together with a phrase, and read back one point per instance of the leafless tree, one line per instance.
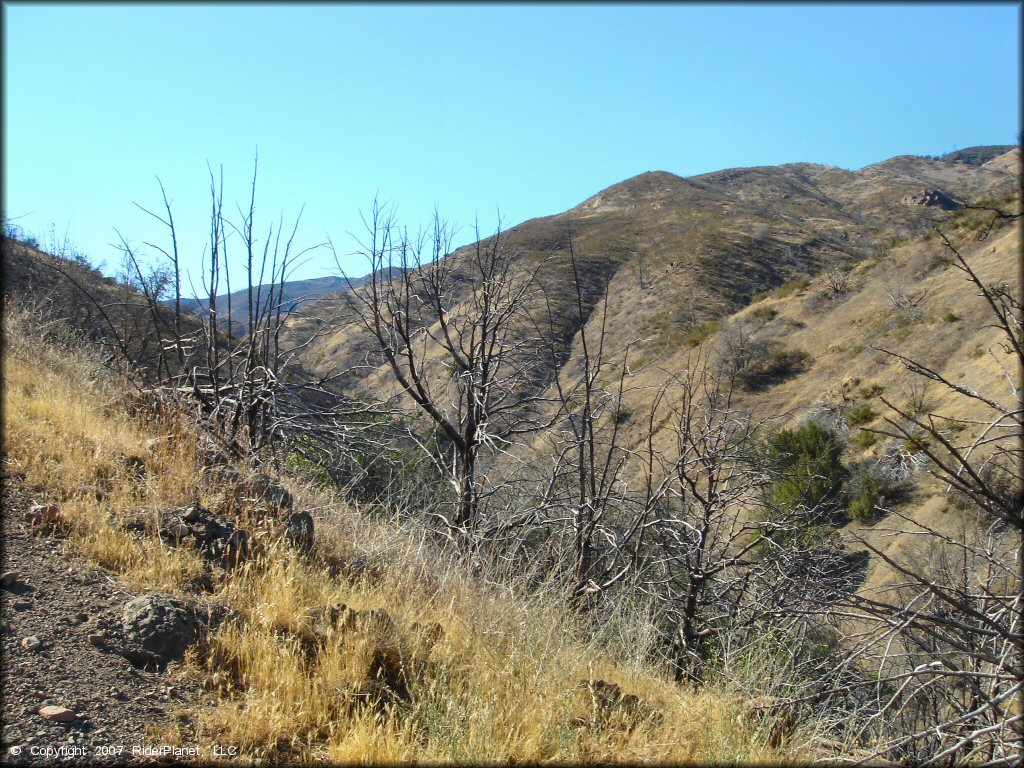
(453, 330)
(721, 560)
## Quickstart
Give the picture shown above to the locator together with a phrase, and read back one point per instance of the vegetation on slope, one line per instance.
(502, 684)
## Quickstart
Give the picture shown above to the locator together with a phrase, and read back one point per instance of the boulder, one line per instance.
(299, 531)
(160, 625)
(933, 198)
(194, 525)
(57, 714)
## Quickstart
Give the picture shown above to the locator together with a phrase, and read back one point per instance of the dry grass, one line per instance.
(502, 684)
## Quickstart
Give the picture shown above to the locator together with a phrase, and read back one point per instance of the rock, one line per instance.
(194, 525)
(933, 198)
(97, 640)
(22, 605)
(31, 643)
(57, 714)
(299, 531)
(264, 491)
(9, 579)
(161, 625)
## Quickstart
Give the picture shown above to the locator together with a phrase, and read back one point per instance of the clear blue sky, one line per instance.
(529, 109)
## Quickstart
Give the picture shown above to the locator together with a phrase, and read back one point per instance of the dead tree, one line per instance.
(718, 561)
(452, 330)
(586, 486)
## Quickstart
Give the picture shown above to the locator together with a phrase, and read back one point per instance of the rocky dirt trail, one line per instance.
(68, 693)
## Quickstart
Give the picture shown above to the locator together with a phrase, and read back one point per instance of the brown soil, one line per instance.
(62, 598)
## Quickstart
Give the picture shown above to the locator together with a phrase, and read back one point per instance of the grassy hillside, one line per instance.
(505, 680)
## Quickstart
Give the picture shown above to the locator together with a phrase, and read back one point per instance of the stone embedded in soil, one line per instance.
(9, 579)
(161, 624)
(22, 605)
(57, 714)
(31, 643)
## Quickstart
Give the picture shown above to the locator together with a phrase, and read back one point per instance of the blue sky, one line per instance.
(526, 109)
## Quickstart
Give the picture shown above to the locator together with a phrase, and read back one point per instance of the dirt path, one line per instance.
(66, 602)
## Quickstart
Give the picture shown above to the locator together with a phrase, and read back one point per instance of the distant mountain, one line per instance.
(675, 252)
(296, 293)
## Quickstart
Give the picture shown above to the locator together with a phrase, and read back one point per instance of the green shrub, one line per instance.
(978, 351)
(859, 413)
(761, 296)
(950, 316)
(873, 390)
(862, 506)
(809, 469)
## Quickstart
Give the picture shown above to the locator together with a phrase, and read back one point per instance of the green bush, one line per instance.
(809, 468)
(950, 316)
(862, 506)
(859, 413)
(874, 390)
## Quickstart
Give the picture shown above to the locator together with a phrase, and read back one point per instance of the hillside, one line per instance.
(679, 252)
(370, 646)
(715, 469)
(291, 296)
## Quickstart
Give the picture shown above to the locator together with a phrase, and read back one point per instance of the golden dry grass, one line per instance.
(501, 685)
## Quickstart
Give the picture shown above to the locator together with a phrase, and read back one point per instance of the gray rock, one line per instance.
(161, 625)
(299, 531)
(9, 579)
(194, 525)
